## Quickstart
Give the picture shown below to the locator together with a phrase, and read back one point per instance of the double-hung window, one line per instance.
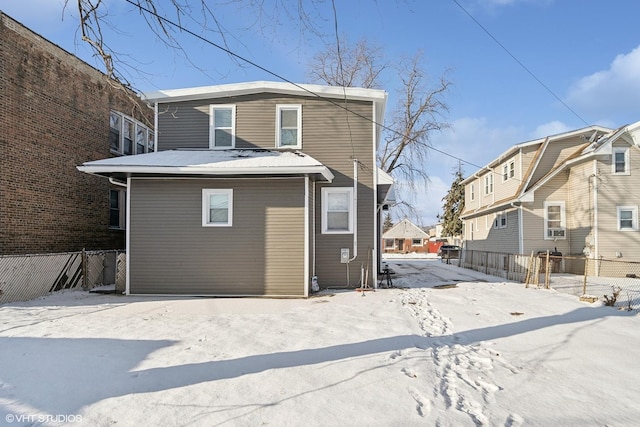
(337, 210)
(217, 207)
(117, 216)
(627, 218)
(512, 169)
(620, 161)
(554, 221)
(472, 191)
(222, 133)
(289, 126)
(488, 183)
(500, 221)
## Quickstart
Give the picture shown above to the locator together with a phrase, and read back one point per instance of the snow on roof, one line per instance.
(210, 162)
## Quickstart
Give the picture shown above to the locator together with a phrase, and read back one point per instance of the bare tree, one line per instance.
(349, 65)
(419, 112)
(169, 20)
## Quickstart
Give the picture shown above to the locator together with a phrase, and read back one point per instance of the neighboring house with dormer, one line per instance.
(405, 237)
(576, 193)
(255, 189)
(56, 114)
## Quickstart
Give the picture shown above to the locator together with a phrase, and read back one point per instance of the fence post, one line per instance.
(546, 271)
(586, 272)
(84, 270)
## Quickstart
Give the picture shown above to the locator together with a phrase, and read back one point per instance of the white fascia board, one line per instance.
(176, 170)
(237, 89)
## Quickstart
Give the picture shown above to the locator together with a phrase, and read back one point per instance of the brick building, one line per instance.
(57, 112)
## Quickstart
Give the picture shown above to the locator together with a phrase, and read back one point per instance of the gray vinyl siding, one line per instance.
(170, 252)
(488, 238)
(614, 191)
(330, 134)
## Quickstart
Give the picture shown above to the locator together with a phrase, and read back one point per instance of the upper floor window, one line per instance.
(488, 183)
(508, 170)
(337, 212)
(620, 160)
(217, 207)
(627, 218)
(129, 136)
(289, 126)
(222, 123)
(554, 221)
(472, 192)
(117, 200)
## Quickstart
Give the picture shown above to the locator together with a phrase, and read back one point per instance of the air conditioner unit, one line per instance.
(556, 232)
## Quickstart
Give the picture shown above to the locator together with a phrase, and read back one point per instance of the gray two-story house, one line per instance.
(254, 189)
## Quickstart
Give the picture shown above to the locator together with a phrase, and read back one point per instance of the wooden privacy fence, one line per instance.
(614, 282)
(25, 277)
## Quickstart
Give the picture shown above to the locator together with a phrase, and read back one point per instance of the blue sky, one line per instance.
(587, 52)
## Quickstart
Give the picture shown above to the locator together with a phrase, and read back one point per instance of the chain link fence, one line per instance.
(613, 282)
(25, 277)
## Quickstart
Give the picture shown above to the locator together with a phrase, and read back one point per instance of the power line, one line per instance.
(284, 79)
(524, 67)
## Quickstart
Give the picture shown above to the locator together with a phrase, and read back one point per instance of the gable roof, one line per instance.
(405, 229)
(233, 162)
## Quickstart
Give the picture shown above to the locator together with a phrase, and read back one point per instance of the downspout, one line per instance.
(520, 228)
(596, 254)
(355, 210)
(155, 127)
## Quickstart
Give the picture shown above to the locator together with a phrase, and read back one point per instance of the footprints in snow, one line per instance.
(463, 371)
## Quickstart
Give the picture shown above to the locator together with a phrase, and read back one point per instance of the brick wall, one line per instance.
(54, 115)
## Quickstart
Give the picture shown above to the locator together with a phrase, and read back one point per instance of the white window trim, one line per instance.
(324, 194)
(488, 184)
(420, 244)
(386, 246)
(505, 172)
(625, 151)
(512, 169)
(563, 219)
(212, 125)
(634, 217)
(473, 193)
(279, 109)
(206, 192)
(497, 221)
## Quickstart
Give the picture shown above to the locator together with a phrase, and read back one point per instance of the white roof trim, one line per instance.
(211, 162)
(237, 89)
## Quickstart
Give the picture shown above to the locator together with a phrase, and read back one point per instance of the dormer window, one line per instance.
(222, 126)
(289, 126)
(620, 161)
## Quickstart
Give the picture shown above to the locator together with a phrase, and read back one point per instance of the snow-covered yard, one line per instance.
(479, 351)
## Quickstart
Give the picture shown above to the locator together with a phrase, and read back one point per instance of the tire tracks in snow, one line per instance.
(464, 389)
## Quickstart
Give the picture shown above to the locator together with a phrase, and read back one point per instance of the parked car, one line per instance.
(449, 251)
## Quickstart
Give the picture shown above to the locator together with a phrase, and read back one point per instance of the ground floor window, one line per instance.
(217, 207)
(117, 216)
(337, 212)
(416, 242)
(389, 243)
(627, 218)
